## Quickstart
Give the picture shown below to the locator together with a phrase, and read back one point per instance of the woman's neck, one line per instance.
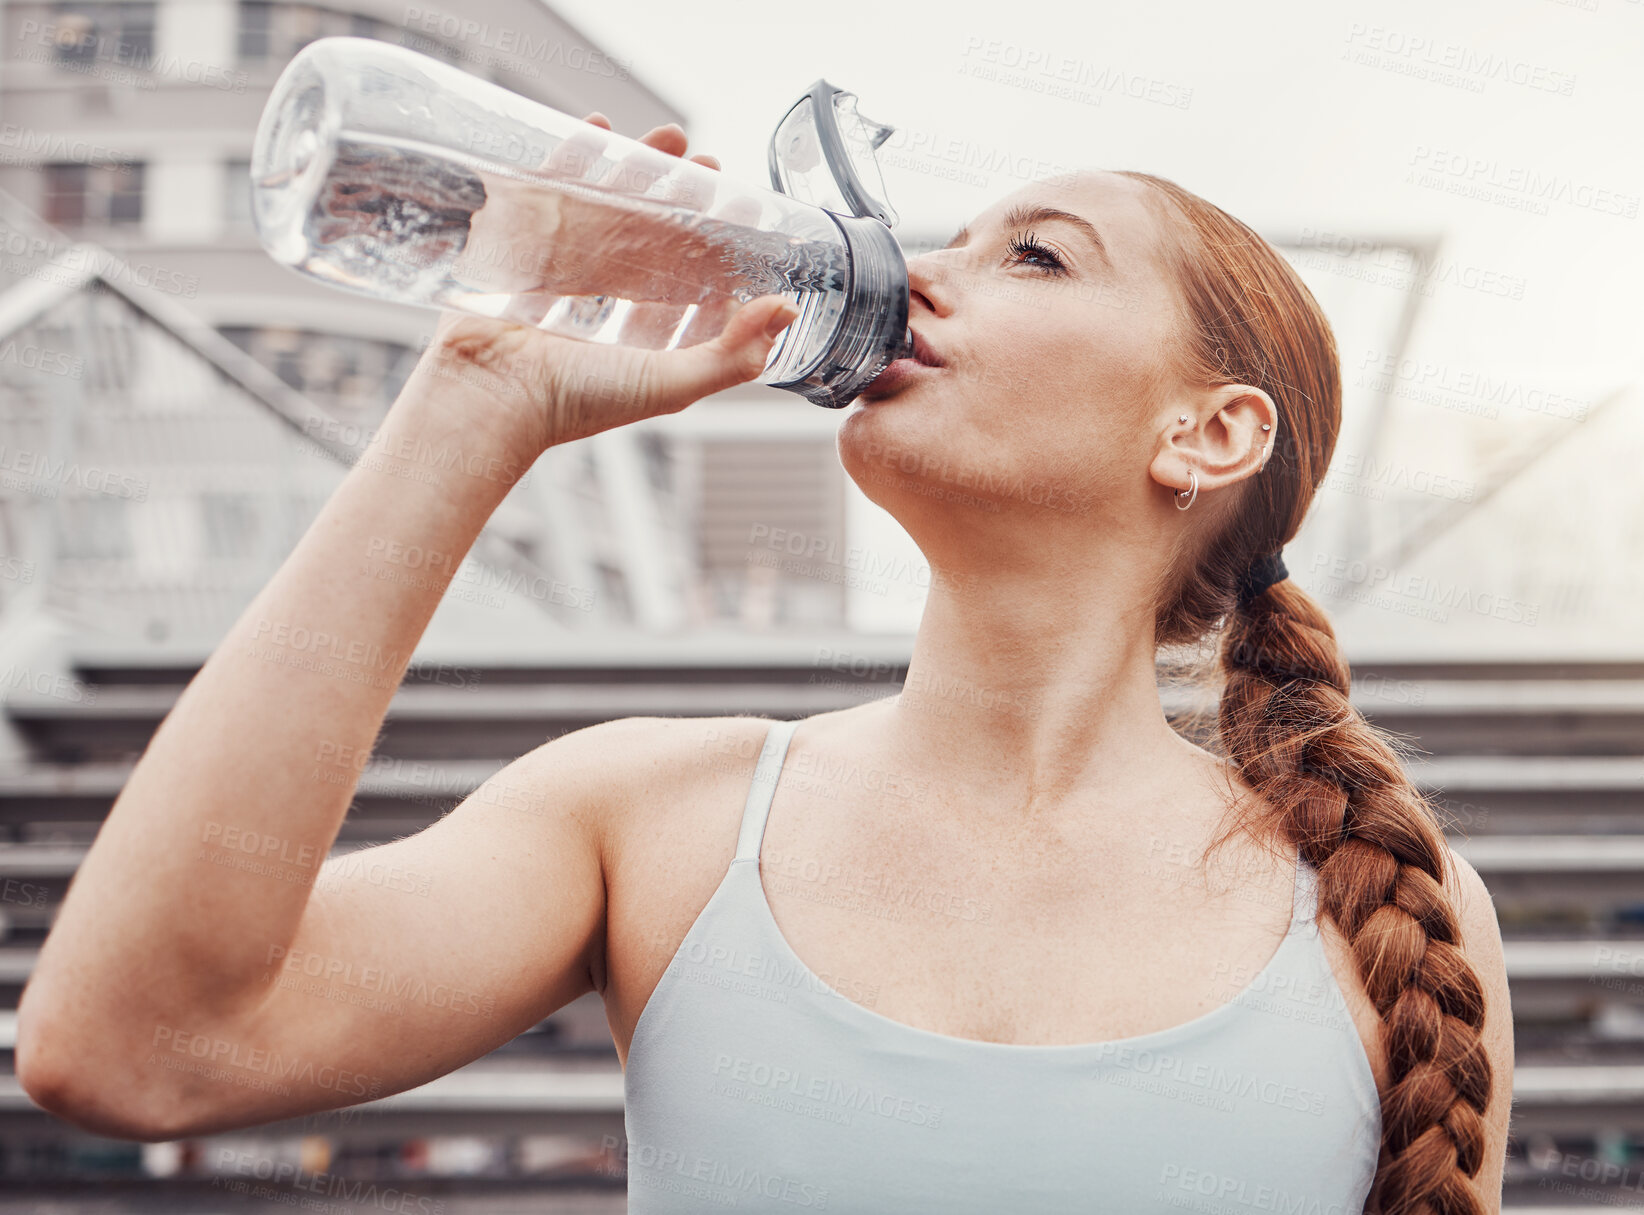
(1033, 689)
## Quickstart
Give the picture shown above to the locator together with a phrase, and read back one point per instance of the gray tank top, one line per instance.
(752, 1083)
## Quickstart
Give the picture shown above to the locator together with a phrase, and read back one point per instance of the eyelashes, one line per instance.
(1024, 245)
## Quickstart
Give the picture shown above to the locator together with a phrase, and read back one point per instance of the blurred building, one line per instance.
(128, 126)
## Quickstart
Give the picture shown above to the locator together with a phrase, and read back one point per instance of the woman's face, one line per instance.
(1054, 333)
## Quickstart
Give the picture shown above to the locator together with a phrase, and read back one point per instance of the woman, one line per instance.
(979, 960)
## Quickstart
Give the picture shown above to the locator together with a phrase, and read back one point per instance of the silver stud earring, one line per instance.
(1182, 419)
(1265, 426)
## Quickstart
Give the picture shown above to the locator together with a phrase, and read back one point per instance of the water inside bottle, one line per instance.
(419, 223)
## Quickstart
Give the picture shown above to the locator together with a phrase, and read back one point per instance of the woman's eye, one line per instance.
(1023, 246)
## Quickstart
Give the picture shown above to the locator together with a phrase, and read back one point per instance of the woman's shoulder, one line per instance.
(653, 760)
(674, 784)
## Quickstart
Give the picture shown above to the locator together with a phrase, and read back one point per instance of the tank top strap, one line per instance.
(763, 788)
(1305, 899)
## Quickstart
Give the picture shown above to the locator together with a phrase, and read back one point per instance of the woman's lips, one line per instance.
(902, 371)
(922, 353)
(897, 375)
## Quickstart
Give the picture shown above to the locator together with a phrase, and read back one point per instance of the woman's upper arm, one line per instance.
(417, 956)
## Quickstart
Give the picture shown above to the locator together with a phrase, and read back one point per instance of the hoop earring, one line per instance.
(1192, 492)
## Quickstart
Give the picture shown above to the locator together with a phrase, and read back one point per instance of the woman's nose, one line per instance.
(928, 281)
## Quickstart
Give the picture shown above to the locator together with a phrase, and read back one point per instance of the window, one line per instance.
(107, 33)
(92, 529)
(124, 193)
(747, 488)
(271, 33)
(78, 194)
(65, 194)
(237, 192)
(232, 525)
(255, 20)
(338, 370)
(76, 41)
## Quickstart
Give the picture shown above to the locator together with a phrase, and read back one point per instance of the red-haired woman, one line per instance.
(1005, 941)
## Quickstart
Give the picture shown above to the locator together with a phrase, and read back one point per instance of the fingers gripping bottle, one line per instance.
(389, 173)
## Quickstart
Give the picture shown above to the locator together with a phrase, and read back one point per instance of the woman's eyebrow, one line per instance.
(1023, 216)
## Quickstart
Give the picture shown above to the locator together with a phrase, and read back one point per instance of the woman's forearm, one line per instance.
(211, 849)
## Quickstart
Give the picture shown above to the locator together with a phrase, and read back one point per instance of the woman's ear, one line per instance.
(1222, 436)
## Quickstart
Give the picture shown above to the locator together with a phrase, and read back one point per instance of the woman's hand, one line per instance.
(548, 389)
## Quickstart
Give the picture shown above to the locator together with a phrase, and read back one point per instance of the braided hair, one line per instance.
(1333, 784)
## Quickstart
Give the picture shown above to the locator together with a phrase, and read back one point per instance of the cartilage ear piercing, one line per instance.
(1183, 418)
(1265, 426)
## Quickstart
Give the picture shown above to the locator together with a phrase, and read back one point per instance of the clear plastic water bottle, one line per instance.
(386, 172)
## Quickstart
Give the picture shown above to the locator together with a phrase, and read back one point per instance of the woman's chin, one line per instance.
(895, 445)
